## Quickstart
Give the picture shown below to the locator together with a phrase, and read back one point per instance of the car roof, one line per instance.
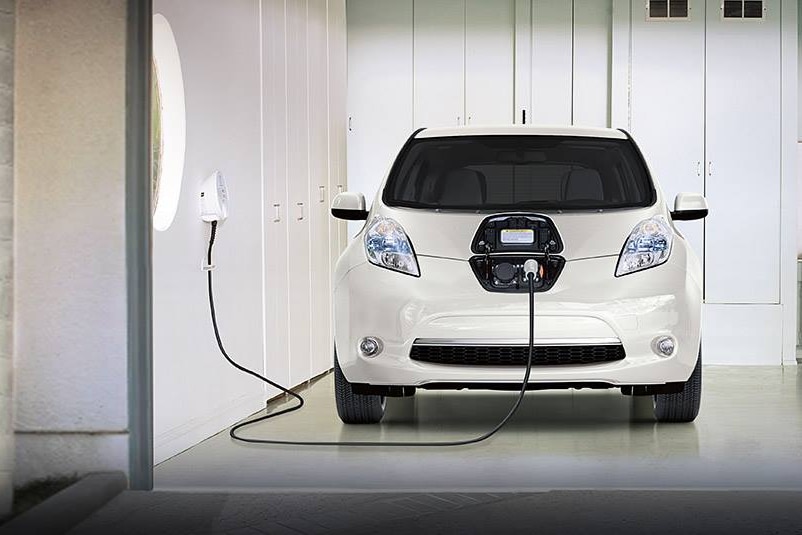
(521, 130)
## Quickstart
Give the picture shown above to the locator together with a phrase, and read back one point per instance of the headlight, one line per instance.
(388, 246)
(648, 245)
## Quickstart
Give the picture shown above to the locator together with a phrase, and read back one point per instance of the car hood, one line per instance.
(584, 234)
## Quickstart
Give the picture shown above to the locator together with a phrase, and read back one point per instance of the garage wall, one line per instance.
(257, 78)
(7, 12)
(194, 387)
(687, 89)
(70, 347)
(799, 145)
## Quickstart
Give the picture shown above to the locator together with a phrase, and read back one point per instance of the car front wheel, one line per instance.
(355, 408)
(681, 406)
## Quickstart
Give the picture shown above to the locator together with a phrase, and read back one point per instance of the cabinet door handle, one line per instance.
(698, 168)
(276, 213)
(339, 188)
(350, 124)
(300, 211)
(322, 191)
(710, 168)
(458, 120)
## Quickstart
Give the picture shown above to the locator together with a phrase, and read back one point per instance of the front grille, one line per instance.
(556, 355)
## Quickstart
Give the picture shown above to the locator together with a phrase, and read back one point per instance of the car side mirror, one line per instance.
(349, 206)
(689, 207)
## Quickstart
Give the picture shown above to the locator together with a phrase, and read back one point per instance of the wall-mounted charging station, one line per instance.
(214, 198)
(214, 201)
(214, 209)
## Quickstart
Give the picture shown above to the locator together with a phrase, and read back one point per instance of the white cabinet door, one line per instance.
(320, 347)
(742, 233)
(552, 50)
(489, 62)
(337, 127)
(379, 90)
(298, 251)
(439, 67)
(668, 106)
(523, 61)
(276, 223)
(591, 66)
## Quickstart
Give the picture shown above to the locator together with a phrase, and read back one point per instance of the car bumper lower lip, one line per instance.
(640, 370)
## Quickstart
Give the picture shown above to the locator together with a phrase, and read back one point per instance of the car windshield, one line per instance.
(519, 173)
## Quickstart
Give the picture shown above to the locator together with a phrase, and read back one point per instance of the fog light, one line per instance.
(370, 347)
(664, 346)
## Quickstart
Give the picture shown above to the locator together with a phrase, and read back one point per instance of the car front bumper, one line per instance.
(586, 305)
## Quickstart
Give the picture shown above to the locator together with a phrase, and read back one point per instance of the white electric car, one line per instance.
(431, 293)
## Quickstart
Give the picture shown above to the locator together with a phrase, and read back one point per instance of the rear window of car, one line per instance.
(519, 173)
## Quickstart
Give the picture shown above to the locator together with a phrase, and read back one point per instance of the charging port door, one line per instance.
(503, 243)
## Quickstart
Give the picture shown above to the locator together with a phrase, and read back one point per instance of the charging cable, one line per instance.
(530, 270)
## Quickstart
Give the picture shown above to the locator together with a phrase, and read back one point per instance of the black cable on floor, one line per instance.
(254, 421)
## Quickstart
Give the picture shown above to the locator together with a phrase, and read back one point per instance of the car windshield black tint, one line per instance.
(519, 173)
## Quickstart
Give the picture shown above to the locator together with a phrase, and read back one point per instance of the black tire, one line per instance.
(355, 408)
(681, 406)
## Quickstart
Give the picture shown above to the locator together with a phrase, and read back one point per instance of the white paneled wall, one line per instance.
(439, 62)
(489, 61)
(380, 109)
(321, 346)
(702, 96)
(552, 59)
(591, 62)
(276, 236)
(304, 128)
(264, 83)
(337, 83)
(298, 159)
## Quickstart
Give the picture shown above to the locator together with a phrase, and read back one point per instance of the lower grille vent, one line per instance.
(517, 355)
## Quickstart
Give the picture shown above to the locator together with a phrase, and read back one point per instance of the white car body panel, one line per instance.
(586, 304)
(521, 130)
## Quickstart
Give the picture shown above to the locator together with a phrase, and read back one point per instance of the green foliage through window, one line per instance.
(156, 143)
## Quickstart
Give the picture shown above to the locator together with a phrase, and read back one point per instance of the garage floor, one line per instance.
(554, 512)
(748, 436)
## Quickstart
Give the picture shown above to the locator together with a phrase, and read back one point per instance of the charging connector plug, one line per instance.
(532, 269)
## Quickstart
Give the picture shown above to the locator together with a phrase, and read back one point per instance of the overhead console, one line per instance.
(504, 242)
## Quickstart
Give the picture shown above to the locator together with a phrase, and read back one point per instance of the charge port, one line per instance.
(505, 273)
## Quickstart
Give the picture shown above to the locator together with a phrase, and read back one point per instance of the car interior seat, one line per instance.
(583, 185)
(461, 187)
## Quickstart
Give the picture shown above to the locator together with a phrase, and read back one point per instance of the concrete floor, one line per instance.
(748, 436)
(556, 512)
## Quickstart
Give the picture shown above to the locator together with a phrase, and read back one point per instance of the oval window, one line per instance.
(168, 124)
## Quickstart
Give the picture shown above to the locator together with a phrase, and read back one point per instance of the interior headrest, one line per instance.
(462, 187)
(583, 184)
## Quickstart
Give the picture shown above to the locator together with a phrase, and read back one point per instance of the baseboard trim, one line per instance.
(179, 439)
